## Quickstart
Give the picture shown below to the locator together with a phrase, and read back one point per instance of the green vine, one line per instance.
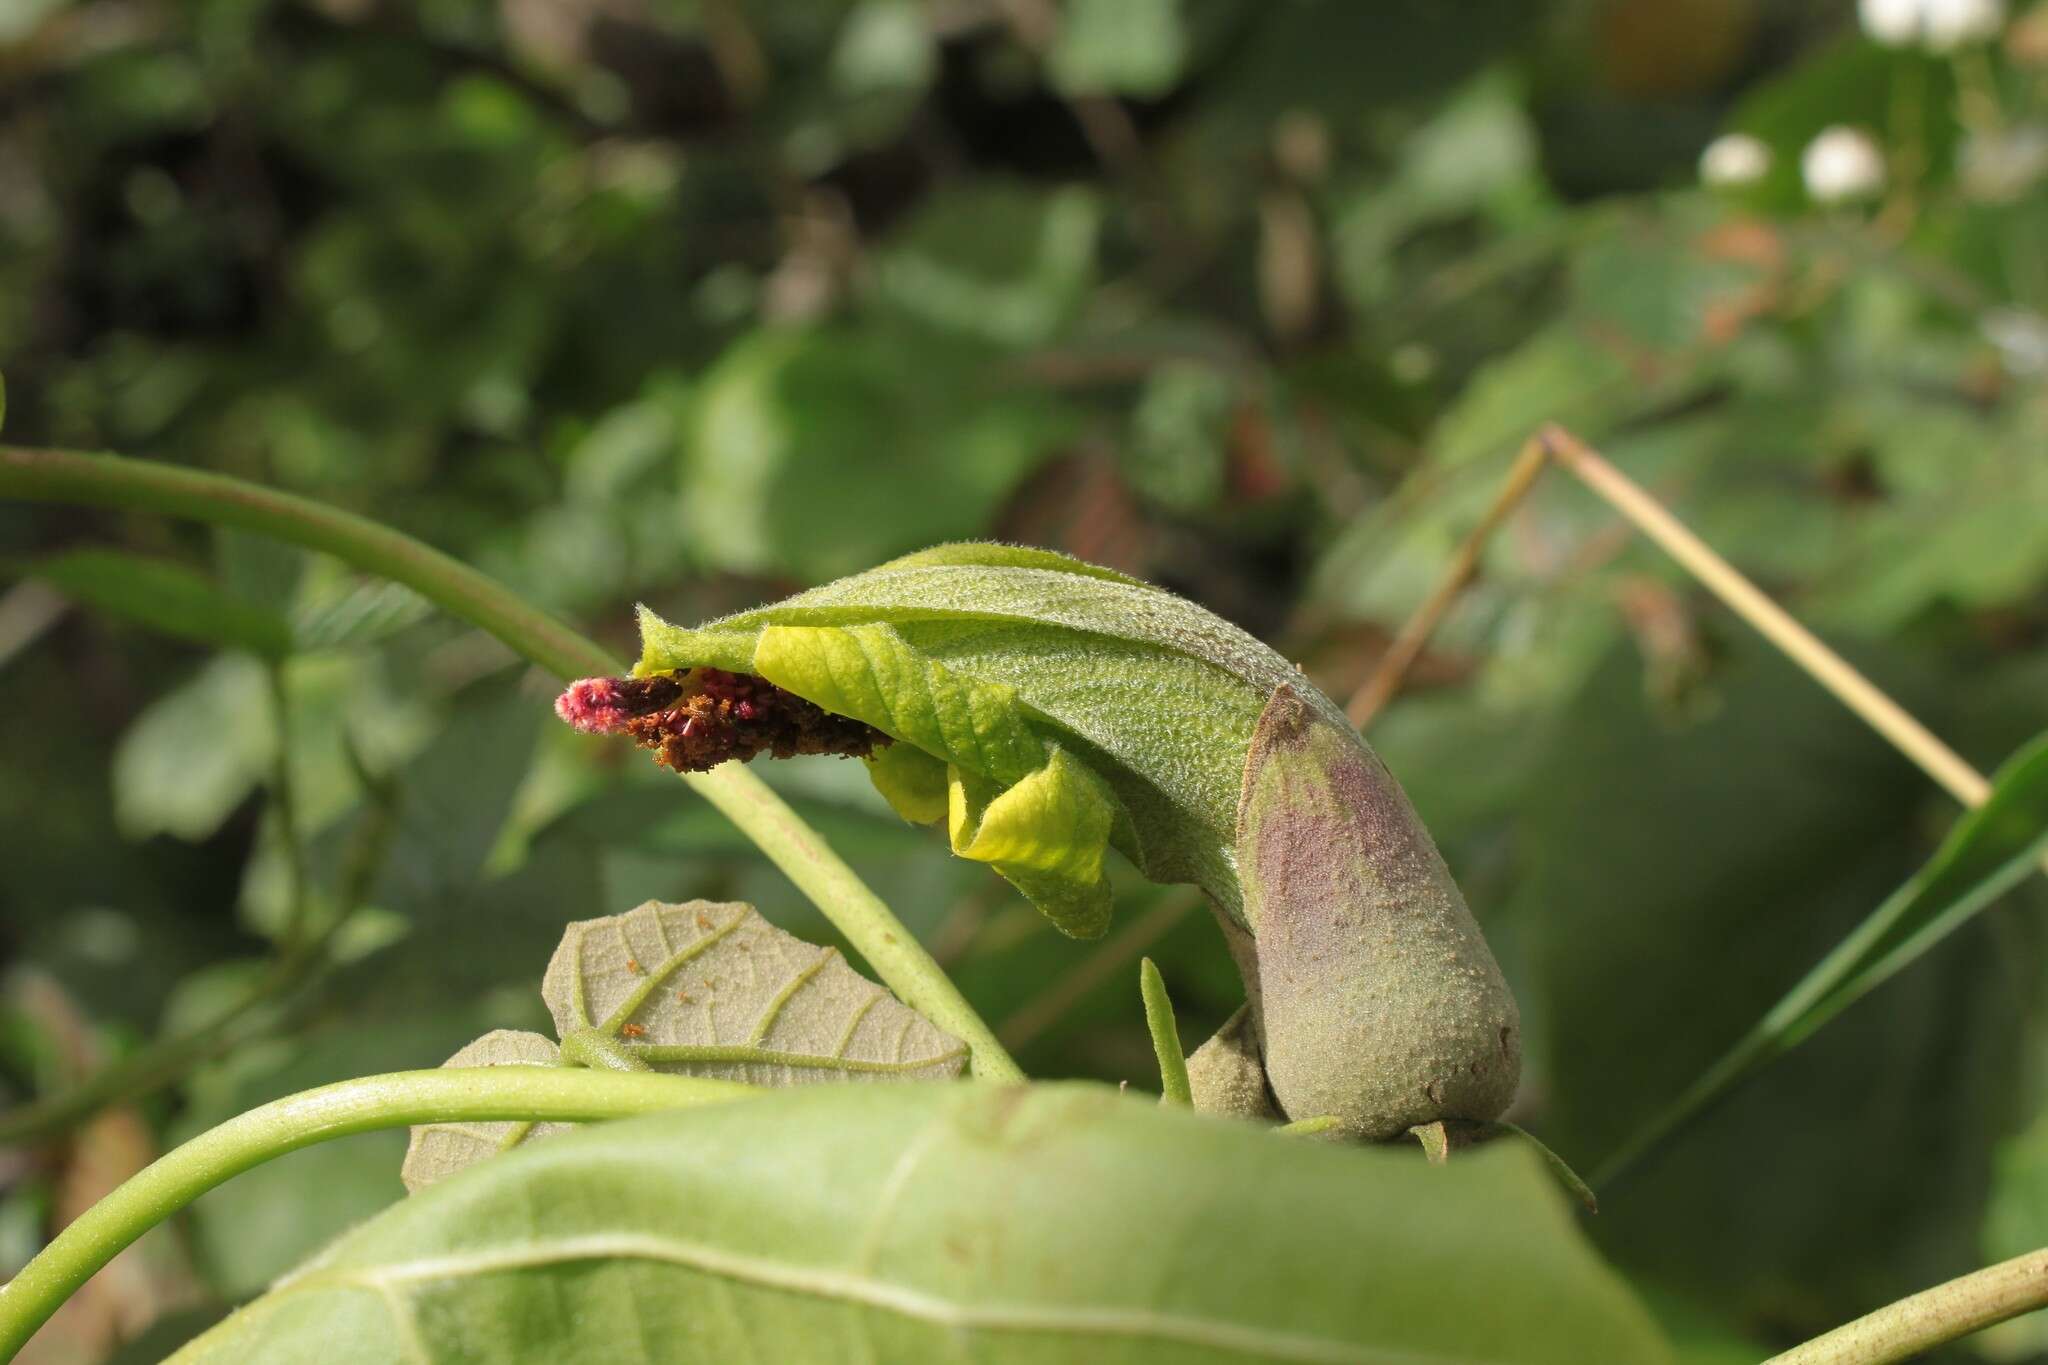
(396, 1100)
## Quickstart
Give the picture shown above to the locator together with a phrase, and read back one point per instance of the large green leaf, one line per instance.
(907, 1223)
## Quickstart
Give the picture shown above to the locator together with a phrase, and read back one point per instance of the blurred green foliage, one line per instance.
(698, 301)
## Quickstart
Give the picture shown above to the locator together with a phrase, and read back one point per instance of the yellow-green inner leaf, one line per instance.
(911, 781)
(1046, 835)
(869, 673)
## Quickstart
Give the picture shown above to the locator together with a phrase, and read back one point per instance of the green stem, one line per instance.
(284, 808)
(1173, 1063)
(1321, 1123)
(397, 1100)
(1920, 1322)
(111, 481)
(802, 854)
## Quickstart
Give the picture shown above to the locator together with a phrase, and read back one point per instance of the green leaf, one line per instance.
(1683, 873)
(1046, 834)
(196, 753)
(1159, 1021)
(1122, 47)
(1990, 850)
(870, 673)
(911, 1223)
(1154, 693)
(165, 596)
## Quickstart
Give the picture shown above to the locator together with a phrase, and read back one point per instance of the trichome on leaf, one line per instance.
(1049, 710)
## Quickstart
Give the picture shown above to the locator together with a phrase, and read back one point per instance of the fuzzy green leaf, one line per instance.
(943, 1223)
(869, 673)
(1076, 709)
(911, 781)
(1156, 695)
(1046, 834)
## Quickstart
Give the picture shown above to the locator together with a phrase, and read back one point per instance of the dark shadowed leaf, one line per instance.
(1988, 852)
(1684, 875)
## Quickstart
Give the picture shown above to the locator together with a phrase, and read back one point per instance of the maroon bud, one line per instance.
(703, 717)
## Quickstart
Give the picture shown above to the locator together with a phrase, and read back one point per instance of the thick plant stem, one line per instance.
(397, 1100)
(802, 854)
(1947, 1312)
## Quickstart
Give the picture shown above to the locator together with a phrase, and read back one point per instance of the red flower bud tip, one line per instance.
(593, 706)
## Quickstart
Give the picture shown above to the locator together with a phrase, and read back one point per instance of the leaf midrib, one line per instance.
(868, 1291)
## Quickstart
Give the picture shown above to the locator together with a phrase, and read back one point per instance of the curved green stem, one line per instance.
(1920, 1322)
(284, 809)
(765, 818)
(397, 1100)
(112, 481)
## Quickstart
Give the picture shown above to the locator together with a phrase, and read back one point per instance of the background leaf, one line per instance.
(1685, 873)
(165, 596)
(699, 989)
(1990, 849)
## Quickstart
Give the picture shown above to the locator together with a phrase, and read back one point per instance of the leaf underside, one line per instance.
(1049, 1223)
(703, 988)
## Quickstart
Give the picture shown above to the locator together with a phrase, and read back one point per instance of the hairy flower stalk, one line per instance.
(1046, 711)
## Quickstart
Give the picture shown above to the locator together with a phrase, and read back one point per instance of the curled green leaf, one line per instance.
(1050, 711)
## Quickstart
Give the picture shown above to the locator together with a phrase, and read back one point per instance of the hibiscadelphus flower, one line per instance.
(1047, 711)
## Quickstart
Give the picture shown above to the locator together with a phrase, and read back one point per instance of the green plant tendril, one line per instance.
(396, 1100)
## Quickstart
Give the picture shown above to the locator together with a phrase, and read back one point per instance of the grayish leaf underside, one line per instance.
(703, 988)
(709, 975)
(440, 1149)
